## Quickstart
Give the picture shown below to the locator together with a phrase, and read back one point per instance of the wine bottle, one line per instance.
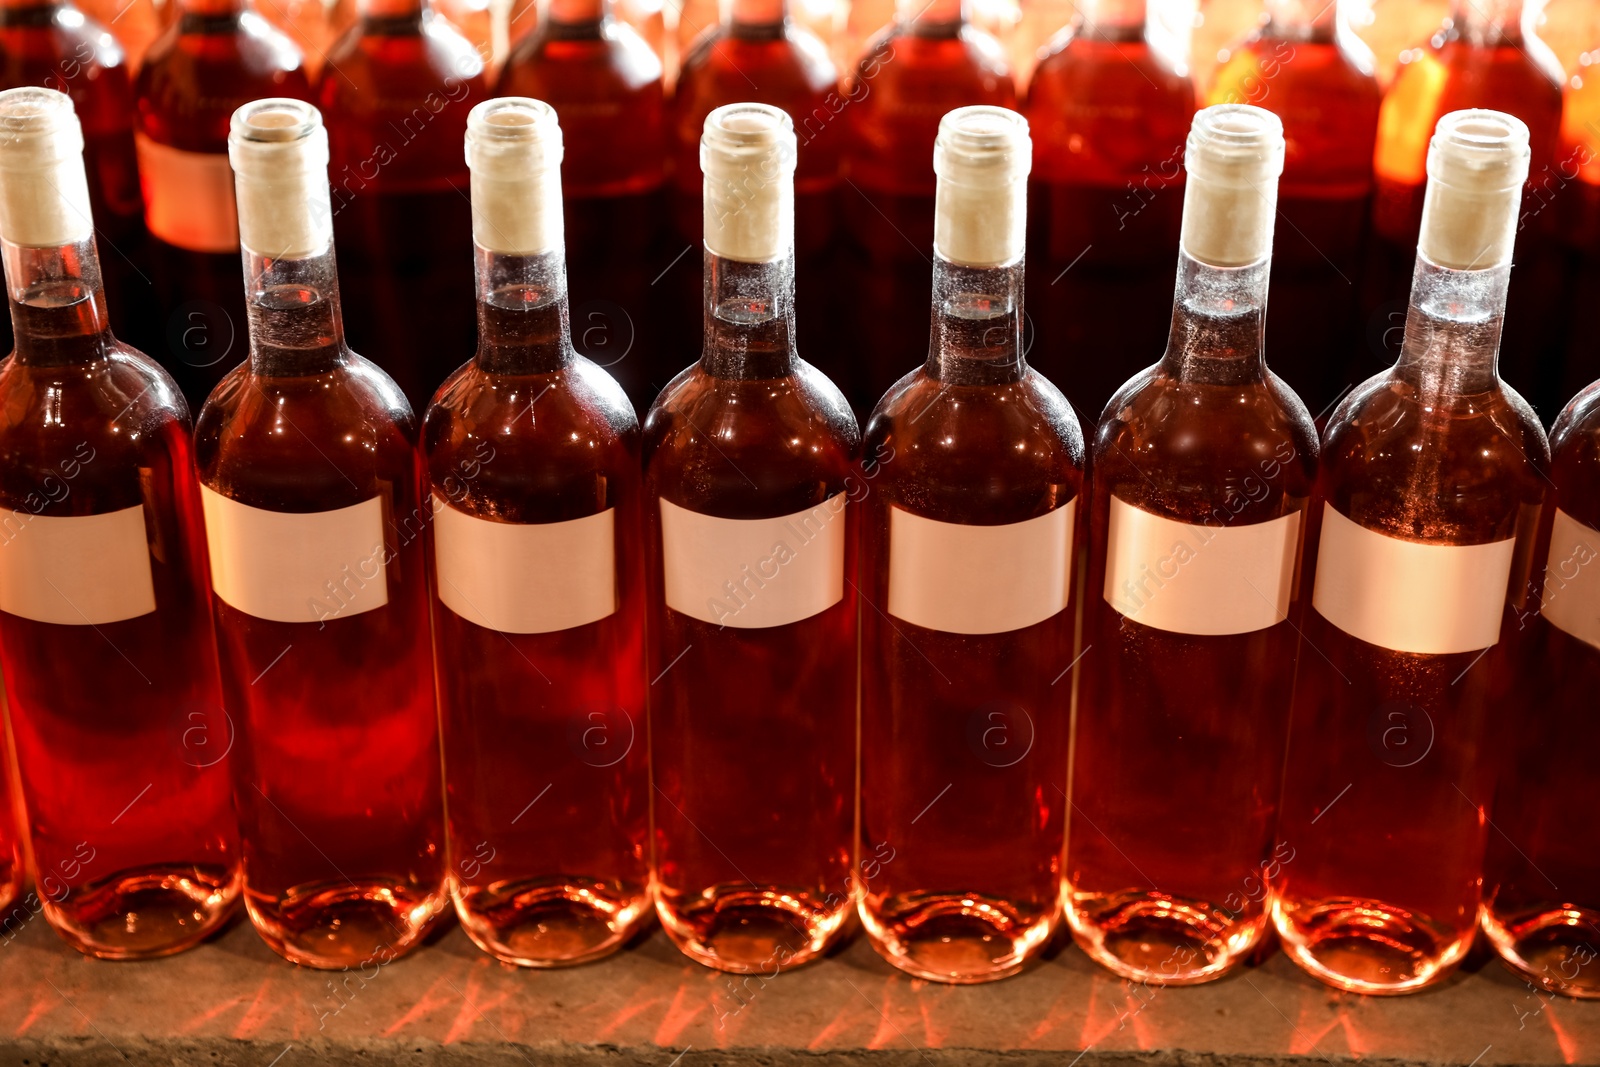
(1427, 498)
(974, 464)
(109, 658)
(532, 454)
(750, 542)
(310, 480)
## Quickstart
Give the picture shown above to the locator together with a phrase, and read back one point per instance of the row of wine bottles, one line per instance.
(1109, 110)
(231, 660)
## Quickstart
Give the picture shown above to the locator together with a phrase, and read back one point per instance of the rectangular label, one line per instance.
(966, 579)
(1410, 597)
(1194, 579)
(76, 570)
(188, 197)
(753, 573)
(290, 566)
(1572, 579)
(525, 578)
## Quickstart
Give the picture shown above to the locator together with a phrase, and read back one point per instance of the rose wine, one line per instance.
(215, 57)
(759, 53)
(1541, 905)
(1427, 498)
(105, 625)
(1203, 466)
(399, 86)
(929, 61)
(975, 464)
(1483, 57)
(533, 465)
(53, 44)
(606, 86)
(1305, 66)
(1109, 113)
(750, 545)
(310, 481)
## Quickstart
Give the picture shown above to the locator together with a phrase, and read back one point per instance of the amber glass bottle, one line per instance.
(1428, 499)
(105, 623)
(750, 539)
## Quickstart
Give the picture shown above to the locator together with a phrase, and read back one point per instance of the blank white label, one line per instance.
(297, 566)
(1407, 596)
(1194, 579)
(1572, 579)
(753, 573)
(525, 577)
(979, 579)
(188, 196)
(75, 570)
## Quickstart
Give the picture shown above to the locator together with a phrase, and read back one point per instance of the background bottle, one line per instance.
(606, 85)
(215, 57)
(929, 61)
(310, 480)
(533, 466)
(400, 84)
(1203, 465)
(105, 624)
(750, 543)
(975, 463)
(1428, 497)
(1109, 113)
(1541, 905)
(1305, 66)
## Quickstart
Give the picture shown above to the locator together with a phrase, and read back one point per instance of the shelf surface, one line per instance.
(232, 1001)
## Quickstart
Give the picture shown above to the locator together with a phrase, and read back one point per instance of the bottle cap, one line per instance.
(279, 151)
(747, 156)
(982, 157)
(1234, 157)
(1477, 162)
(514, 152)
(44, 193)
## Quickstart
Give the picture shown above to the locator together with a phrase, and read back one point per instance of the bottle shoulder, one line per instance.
(1575, 457)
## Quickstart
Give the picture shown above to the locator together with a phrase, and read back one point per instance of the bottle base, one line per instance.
(1368, 946)
(959, 939)
(350, 924)
(544, 924)
(751, 930)
(1554, 948)
(1161, 939)
(147, 913)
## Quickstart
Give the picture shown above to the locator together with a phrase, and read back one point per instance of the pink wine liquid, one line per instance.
(545, 736)
(121, 736)
(1542, 881)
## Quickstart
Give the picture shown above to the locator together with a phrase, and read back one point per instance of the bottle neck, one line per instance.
(522, 313)
(930, 13)
(212, 8)
(1452, 339)
(1488, 23)
(1303, 20)
(295, 326)
(1219, 317)
(391, 11)
(58, 306)
(1117, 17)
(749, 326)
(578, 12)
(757, 12)
(976, 331)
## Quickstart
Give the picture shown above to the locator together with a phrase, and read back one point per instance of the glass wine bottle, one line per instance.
(215, 57)
(606, 86)
(1109, 113)
(310, 480)
(1305, 66)
(533, 464)
(105, 626)
(929, 61)
(750, 543)
(975, 463)
(1202, 470)
(1541, 905)
(400, 84)
(1427, 498)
